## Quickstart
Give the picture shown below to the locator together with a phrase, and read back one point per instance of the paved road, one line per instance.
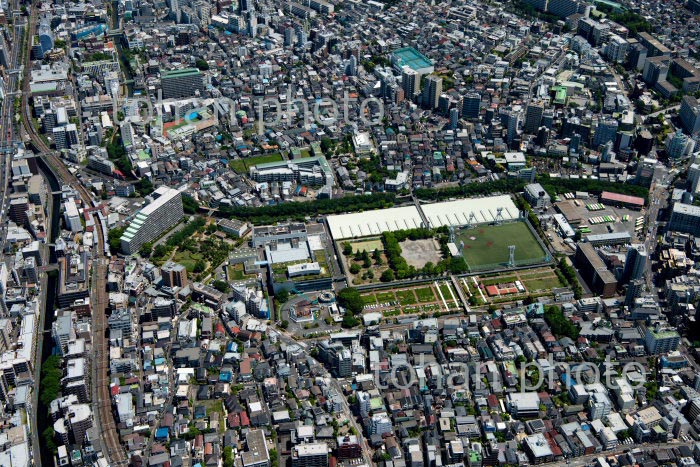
(586, 460)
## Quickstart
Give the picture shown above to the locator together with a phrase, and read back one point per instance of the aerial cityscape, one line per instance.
(349, 233)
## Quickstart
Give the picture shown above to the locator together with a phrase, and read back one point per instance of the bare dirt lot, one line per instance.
(420, 252)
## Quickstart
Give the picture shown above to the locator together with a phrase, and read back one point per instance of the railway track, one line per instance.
(113, 450)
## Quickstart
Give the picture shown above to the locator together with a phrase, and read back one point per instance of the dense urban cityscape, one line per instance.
(348, 233)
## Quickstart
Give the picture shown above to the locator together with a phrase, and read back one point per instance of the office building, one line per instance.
(679, 145)
(645, 171)
(659, 339)
(635, 262)
(533, 117)
(509, 120)
(174, 275)
(310, 455)
(604, 132)
(454, 118)
(634, 291)
(337, 357)
(471, 105)
(685, 218)
(594, 271)
(71, 216)
(163, 212)
(178, 84)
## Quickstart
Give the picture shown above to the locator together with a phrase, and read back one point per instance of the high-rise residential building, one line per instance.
(604, 132)
(433, 90)
(660, 340)
(380, 423)
(689, 114)
(616, 49)
(471, 105)
(655, 69)
(310, 455)
(163, 212)
(564, 8)
(66, 136)
(182, 83)
(533, 117)
(18, 210)
(174, 274)
(635, 262)
(410, 82)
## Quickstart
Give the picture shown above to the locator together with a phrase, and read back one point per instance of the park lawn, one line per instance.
(242, 165)
(187, 259)
(237, 273)
(445, 289)
(425, 294)
(541, 283)
(385, 297)
(406, 297)
(367, 245)
(486, 245)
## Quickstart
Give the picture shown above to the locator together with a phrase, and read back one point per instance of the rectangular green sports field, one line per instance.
(486, 245)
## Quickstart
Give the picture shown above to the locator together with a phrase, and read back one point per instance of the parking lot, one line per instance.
(579, 215)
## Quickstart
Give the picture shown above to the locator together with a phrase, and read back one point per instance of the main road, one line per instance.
(103, 418)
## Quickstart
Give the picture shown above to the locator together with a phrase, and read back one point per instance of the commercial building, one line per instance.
(536, 195)
(594, 271)
(177, 84)
(163, 212)
(313, 171)
(410, 57)
(256, 453)
(635, 262)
